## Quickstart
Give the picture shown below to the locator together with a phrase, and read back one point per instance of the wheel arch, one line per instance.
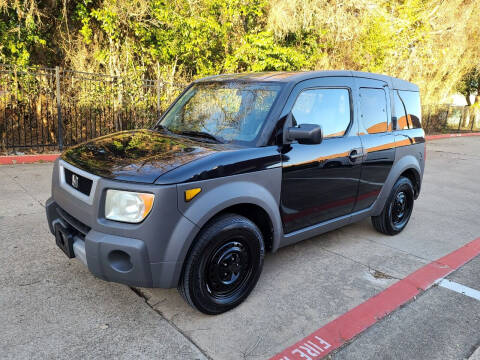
(257, 201)
(257, 215)
(414, 176)
(407, 166)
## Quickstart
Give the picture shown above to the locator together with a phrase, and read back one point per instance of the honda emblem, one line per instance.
(75, 181)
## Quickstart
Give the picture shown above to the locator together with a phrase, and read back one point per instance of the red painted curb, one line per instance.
(344, 328)
(27, 159)
(444, 136)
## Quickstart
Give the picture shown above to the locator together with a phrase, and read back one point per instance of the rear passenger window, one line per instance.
(329, 108)
(411, 99)
(400, 114)
(373, 110)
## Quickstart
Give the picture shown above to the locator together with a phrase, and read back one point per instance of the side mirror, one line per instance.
(305, 134)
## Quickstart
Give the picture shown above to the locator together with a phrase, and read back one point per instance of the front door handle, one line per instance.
(355, 154)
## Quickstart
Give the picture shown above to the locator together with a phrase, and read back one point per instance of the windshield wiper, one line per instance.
(161, 128)
(201, 134)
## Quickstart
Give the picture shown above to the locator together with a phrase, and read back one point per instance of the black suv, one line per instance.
(239, 164)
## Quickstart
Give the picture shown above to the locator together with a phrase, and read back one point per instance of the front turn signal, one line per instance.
(191, 193)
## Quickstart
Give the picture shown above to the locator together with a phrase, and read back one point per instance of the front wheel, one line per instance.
(224, 264)
(397, 210)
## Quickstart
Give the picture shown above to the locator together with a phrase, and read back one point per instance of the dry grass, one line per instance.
(432, 43)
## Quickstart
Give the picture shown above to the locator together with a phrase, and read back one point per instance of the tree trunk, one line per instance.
(469, 102)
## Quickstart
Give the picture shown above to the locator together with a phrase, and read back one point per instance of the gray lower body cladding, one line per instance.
(145, 254)
(152, 253)
(116, 258)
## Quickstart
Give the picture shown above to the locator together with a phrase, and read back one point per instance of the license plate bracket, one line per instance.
(64, 240)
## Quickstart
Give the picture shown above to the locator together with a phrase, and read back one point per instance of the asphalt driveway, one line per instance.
(53, 307)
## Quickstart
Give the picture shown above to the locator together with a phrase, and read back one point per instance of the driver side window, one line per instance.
(329, 108)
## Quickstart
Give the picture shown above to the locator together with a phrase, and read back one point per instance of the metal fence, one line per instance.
(45, 109)
(448, 118)
(51, 108)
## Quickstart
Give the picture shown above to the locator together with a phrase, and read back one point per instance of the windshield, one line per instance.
(222, 112)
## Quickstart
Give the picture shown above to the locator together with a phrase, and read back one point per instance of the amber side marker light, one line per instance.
(191, 193)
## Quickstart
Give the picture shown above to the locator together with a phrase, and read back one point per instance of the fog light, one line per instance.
(120, 261)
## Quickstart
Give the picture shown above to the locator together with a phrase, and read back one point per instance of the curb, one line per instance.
(346, 327)
(445, 136)
(28, 159)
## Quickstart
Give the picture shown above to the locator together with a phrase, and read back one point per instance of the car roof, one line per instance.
(298, 76)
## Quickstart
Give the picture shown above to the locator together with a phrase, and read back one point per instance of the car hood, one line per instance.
(138, 156)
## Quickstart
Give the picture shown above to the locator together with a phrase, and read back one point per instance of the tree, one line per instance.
(29, 32)
(469, 85)
(179, 40)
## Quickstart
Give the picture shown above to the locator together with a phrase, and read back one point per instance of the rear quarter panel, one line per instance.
(409, 154)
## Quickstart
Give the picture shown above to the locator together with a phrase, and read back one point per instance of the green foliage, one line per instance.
(27, 31)
(470, 84)
(260, 52)
(17, 38)
(420, 40)
(375, 45)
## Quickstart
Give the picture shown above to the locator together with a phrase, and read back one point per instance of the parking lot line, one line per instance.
(344, 328)
(459, 288)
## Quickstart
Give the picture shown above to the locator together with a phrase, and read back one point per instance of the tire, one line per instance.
(398, 208)
(223, 265)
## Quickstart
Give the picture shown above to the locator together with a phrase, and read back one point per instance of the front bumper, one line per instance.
(109, 257)
(148, 254)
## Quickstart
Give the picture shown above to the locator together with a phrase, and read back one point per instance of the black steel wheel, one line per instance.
(228, 268)
(223, 265)
(397, 210)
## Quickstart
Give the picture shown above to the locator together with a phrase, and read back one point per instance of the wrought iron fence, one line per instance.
(448, 118)
(50, 108)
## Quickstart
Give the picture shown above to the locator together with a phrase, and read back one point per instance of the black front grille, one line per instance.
(83, 184)
(80, 227)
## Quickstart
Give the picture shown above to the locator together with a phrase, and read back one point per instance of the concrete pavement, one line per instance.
(53, 307)
(305, 286)
(440, 324)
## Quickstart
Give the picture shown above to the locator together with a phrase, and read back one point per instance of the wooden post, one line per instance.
(159, 88)
(445, 126)
(472, 117)
(460, 123)
(59, 109)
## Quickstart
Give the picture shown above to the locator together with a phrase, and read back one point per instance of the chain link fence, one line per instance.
(46, 109)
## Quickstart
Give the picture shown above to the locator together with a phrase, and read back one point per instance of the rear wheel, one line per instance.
(398, 208)
(224, 264)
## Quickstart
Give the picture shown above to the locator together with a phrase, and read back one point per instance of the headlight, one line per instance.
(127, 206)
